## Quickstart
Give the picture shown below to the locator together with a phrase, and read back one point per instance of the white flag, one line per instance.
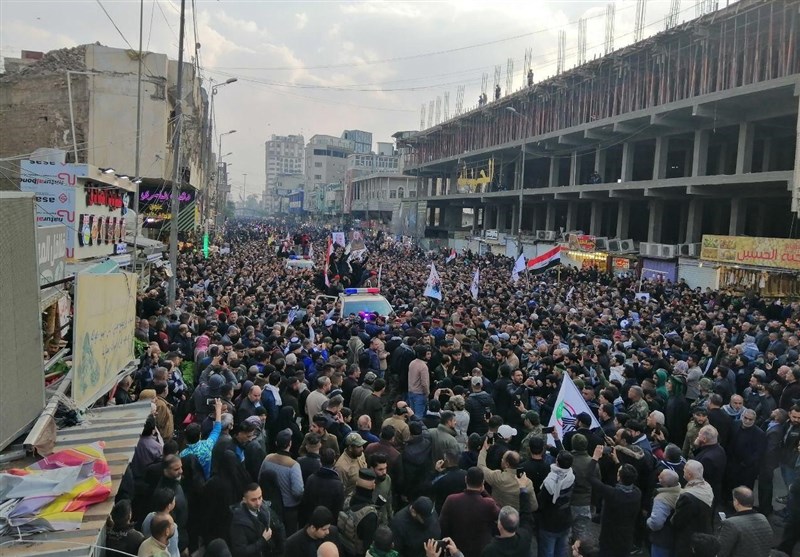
(433, 286)
(519, 266)
(570, 292)
(569, 404)
(476, 279)
(312, 336)
(380, 274)
(311, 251)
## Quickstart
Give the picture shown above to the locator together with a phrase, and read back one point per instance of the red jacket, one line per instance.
(469, 518)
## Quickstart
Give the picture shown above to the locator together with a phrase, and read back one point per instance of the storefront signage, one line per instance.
(111, 198)
(581, 242)
(51, 252)
(491, 234)
(621, 263)
(160, 195)
(778, 253)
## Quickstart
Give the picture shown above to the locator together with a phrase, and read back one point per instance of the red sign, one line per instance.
(107, 198)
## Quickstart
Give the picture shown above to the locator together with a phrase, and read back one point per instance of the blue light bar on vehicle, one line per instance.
(350, 291)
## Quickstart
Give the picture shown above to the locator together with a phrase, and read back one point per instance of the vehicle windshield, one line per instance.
(381, 307)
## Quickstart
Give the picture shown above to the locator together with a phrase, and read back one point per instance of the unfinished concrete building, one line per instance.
(690, 132)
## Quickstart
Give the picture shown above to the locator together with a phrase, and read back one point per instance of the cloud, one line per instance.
(384, 8)
(244, 25)
(302, 20)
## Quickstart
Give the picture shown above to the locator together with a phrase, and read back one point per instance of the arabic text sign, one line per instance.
(581, 242)
(779, 253)
(105, 317)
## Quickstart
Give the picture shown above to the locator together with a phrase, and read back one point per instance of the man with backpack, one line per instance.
(358, 520)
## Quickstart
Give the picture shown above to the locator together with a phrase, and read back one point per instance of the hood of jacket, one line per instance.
(668, 494)
(701, 490)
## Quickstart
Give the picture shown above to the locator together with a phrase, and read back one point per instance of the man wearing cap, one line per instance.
(479, 404)
(413, 526)
(502, 438)
(351, 461)
(358, 520)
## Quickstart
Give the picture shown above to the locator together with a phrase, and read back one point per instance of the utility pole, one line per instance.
(177, 177)
(138, 157)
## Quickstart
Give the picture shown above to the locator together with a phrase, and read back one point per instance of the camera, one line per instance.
(441, 545)
(210, 401)
(490, 438)
(607, 450)
(520, 472)
(548, 429)
(487, 413)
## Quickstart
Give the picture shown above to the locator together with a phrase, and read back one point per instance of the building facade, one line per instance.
(326, 162)
(360, 165)
(660, 144)
(377, 196)
(362, 141)
(284, 156)
(83, 100)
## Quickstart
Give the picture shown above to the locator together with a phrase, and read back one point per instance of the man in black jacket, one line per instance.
(255, 531)
(712, 456)
(307, 540)
(513, 540)
(479, 403)
(449, 479)
(324, 487)
(621, 504)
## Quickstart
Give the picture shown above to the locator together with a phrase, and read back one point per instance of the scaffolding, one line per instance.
(752, 41)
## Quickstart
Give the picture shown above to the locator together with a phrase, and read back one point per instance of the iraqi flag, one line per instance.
(451, 256)
(545, 261)
(569, 404)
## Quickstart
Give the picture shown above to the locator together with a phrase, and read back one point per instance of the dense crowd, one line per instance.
(282, 427)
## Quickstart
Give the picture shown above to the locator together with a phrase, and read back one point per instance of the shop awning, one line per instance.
(119, 428)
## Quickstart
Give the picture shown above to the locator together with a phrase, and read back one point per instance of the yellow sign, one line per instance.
(476, 179)
(105, 317)
(780, 253)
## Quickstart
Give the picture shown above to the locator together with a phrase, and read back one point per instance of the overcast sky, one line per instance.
(322, 67)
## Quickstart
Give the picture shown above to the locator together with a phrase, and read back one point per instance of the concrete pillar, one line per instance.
(474, 228)
(454, 181)
(660, 158)
(518, 173)
(623, 219)
(491, 217)
(656, 221)
(722, 159)
(738, 216)
(694, 221)
(627, 161)
(744, 148)
(687, 162)
(682, 222)
(596, 219)
(761, 220)
(550, 217)
(573, 169)
(572, 215)
(515, 222)
(553, 181)
(600, 163)
(700, 153)
(766, 157)
(452, 217)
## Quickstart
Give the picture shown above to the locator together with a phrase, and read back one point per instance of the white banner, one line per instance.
(433, 287)
(476, 279)
(569, 404)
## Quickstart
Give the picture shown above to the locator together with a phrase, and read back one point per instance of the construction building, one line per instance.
(691, 132)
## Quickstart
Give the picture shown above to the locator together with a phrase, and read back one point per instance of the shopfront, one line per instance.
(769, 267)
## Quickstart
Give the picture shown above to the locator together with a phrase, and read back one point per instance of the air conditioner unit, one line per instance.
(541, 234)
(668, 250)
(654, 250)
(644, 248)
(683, 249)
(601, 243)
(550, 235)
(694, 249)
(613, 246)
(627, 246)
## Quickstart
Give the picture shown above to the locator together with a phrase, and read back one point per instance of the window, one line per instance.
(318, 176)
(392, 194)
(400, 192)
(412, 193)
(318, 165)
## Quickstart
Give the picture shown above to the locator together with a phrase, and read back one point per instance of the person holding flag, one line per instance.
(451, 257)
(473, 289)
(433, 286)
(547, 260)
(519, 266)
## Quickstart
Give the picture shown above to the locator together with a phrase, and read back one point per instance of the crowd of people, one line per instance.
(299, 431)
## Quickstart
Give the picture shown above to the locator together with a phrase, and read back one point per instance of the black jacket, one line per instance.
(714, 461)
(452, 480)
(476, 405)
(518, 545)
(247, 531)
(691, 516)
(324, 487)
(410, 536)
(620, 514)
